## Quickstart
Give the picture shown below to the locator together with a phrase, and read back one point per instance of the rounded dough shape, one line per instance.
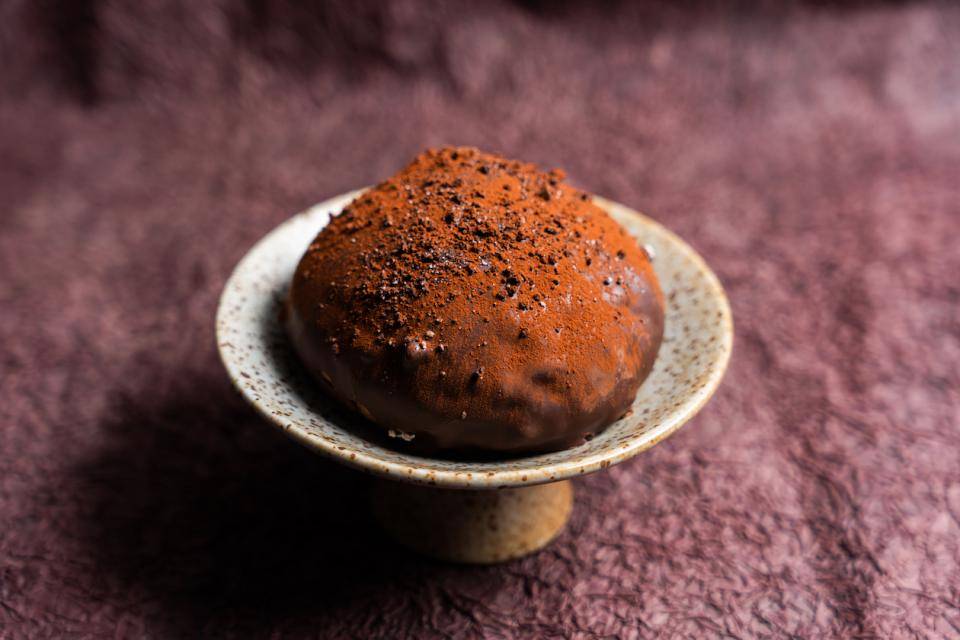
(474, 304)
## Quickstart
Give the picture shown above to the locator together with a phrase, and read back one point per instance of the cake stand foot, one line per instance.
(477, 527)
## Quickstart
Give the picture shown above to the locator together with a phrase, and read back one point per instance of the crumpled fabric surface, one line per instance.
(810, 152)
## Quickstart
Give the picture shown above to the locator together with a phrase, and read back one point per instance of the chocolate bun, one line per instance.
(475, 304)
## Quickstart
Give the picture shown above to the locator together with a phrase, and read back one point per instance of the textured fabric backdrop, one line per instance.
(811, 152)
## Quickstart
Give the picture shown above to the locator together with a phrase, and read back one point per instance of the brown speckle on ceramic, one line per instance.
(697, 343)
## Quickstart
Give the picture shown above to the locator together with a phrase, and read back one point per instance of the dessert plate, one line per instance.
(696, 348)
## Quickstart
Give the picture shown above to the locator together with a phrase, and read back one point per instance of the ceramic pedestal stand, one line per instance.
(472, 526)
(476, 512)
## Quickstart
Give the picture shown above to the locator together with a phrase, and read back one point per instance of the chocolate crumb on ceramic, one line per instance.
(537, 349)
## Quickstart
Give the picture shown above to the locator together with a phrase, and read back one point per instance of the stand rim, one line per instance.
(248, 350)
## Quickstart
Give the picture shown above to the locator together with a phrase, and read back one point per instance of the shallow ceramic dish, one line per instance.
(696, 348)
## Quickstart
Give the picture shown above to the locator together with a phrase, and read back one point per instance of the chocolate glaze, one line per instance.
(477, 304)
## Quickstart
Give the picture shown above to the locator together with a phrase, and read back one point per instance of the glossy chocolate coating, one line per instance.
(478, 305)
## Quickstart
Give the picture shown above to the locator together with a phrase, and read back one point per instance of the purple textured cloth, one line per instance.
(811, 153)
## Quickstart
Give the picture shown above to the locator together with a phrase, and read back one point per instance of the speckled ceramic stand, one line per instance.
(471, 511)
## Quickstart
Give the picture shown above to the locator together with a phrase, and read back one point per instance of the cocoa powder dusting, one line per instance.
(469, 283)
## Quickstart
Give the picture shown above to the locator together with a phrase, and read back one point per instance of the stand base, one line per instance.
(477, 527)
